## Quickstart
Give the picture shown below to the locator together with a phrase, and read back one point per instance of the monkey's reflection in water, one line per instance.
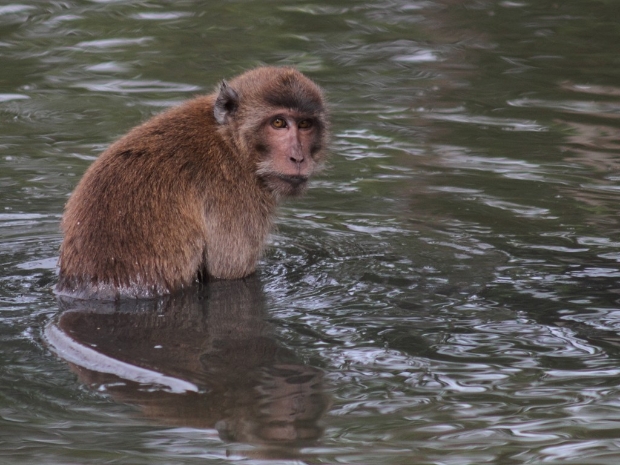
(204, 359)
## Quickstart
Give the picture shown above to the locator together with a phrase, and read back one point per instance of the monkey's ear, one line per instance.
(226, 103)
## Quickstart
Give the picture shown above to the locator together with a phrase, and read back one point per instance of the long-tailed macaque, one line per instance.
(191, 193)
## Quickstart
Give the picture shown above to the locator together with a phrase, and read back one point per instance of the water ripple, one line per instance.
(125, 86)
(605, 109)
(104, 44)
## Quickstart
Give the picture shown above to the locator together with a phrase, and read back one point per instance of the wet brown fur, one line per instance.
(191, 193)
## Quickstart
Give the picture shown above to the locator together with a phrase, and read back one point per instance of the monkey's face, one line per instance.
(277, 118)
(288, 143)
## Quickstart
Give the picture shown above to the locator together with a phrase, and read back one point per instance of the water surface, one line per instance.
(446, 293)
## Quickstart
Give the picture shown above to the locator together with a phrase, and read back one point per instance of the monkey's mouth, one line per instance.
(294, 181)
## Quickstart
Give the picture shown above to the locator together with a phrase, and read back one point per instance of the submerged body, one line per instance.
(192, 192)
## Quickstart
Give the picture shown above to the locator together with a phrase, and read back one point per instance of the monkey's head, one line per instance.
(277, 120)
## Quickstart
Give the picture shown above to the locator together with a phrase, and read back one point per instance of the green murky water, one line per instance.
(446, 293)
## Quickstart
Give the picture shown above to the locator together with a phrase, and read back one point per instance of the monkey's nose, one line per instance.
(297, 158)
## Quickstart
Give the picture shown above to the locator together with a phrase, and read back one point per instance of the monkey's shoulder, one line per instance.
(183, 125)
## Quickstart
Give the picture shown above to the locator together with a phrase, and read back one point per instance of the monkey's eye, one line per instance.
(305, 124)
(278, 123)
